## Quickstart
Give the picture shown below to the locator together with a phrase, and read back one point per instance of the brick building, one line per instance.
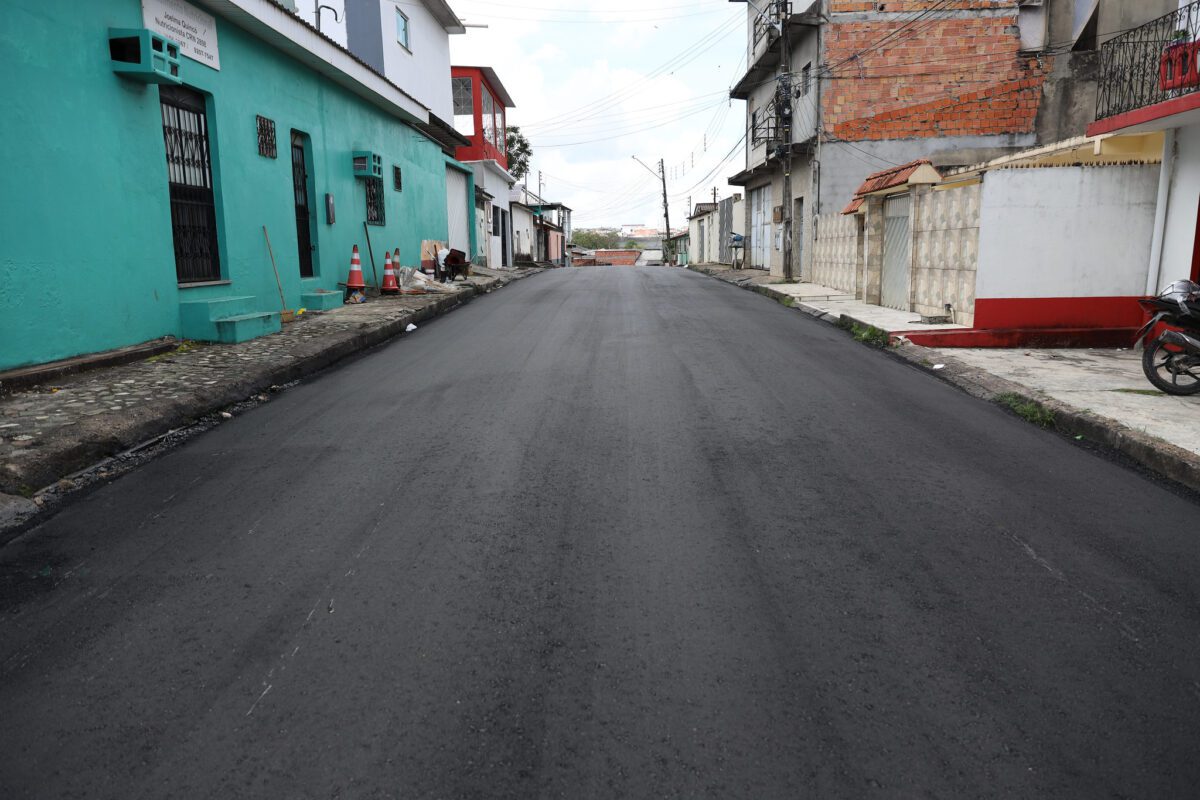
(838, 89)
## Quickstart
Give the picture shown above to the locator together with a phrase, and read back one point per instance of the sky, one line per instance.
(597, 83)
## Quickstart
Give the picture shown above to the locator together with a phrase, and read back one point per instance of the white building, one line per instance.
(1152, 85)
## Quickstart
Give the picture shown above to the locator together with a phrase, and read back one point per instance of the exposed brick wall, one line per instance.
(904, 6)
(619, 258)
(940, 76)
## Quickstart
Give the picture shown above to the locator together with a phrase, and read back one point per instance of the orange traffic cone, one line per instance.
(355, 279)
(390, 286)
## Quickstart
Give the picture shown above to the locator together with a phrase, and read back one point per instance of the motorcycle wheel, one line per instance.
(1171, 371)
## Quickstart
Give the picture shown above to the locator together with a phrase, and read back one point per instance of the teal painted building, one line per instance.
(131, 210)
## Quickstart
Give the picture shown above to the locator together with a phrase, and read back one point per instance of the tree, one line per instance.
(591, 239)
(518, 151)
(632, 245)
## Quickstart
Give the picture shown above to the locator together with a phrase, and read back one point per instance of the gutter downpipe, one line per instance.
(1166, 177)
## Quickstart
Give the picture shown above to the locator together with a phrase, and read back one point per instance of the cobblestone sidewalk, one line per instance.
(57, 428)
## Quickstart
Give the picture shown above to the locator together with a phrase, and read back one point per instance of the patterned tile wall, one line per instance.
(837, 252)
(946, 252)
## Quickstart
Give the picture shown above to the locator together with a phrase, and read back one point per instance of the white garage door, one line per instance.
(456, 210)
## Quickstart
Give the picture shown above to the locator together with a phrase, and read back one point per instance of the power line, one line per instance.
(890, 34)
(714, 171)
(634, 121)
(689, 53)
(505, 6)
(644, 109)
(628, 132)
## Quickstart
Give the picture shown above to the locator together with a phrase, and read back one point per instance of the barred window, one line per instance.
(375, 212)
(266, 136)
(464, 103)
(464, 106)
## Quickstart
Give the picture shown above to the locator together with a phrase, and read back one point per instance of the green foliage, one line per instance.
(596, 239)
(1026, 409)
(632, 245)
(518, 150)
(869, 335)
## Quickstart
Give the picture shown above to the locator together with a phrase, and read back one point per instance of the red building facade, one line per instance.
(480, 103)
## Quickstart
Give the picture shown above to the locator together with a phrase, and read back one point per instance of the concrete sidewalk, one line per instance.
(1099, 395)
(1107, 383)
(52, 431)
(742, 277)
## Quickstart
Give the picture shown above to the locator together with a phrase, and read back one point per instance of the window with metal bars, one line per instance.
(266, 136)
(397, 179)
(764, 125)
(189, 176)
(464, 103)
(375, 210)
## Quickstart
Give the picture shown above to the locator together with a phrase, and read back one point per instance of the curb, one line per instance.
(25, 377)
(19, 512)
(1157, 455)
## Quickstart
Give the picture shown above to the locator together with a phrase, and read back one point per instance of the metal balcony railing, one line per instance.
(1150, 64)
(777, 11)
(765, 126)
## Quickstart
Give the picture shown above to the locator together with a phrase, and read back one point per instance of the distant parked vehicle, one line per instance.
(1172, 360)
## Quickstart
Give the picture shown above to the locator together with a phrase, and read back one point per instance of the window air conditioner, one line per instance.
(367, 165)
(143, 55)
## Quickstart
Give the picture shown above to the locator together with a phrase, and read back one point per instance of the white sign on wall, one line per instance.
(195, 30)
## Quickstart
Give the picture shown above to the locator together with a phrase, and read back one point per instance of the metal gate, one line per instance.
(760, 228)
(725, 231)
(483, 250)
(189, 173)
(798, 239)
(897, 253)
(456, 210)
(504, 238)
(302, 190)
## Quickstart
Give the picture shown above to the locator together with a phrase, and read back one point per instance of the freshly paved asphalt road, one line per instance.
(610, 533)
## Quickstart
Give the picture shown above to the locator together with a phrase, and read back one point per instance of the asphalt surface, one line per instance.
(610, 533)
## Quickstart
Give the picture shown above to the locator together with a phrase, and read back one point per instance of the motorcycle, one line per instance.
(1172, 361)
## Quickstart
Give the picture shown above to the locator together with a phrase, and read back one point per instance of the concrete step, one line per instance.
(244, 327)
(198, 318)
(323, 300)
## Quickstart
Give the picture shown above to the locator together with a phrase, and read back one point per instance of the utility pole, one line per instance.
(714, 195)
(539, 186)
(661, 173)
(783, 103)
(667, 256)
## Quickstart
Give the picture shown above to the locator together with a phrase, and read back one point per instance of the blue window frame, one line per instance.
(402, 30)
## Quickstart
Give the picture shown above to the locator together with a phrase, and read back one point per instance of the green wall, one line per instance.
(86, 255)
